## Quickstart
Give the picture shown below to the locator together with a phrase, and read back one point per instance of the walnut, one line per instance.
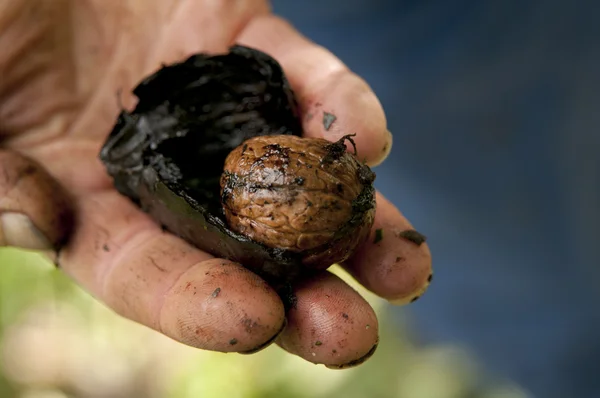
(304, 195)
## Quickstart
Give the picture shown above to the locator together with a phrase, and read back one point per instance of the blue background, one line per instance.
(495, 111)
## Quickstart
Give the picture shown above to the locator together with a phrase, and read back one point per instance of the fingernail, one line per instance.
(268, 342)
(17, 230)
(385, 150)
(356, 362)
(413, 297)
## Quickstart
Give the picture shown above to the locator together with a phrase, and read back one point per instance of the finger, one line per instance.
(330, 324)
(393, 263)
(334, 101)
(209, 26)
(34, 209)
(154, 278)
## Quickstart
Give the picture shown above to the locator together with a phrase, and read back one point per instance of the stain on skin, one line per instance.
(101, 237)
(56, 260)
(357, 361)
(268, 342)
(343, 343)
(378, 235)
(250, 325)
(290, 300)
(413, 236)
(328, 120)
(27, 171)
(156, 265)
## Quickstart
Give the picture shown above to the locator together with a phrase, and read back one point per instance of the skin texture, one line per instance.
(63, 64)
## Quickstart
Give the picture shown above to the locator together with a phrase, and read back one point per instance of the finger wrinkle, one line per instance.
(140, 277)
(113, 250)
(27, 188)
(126, 245)
(317, 63)
(221, 306)
(306, 63)
(13, 181)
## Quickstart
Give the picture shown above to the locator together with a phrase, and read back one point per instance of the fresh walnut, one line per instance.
(305, 195)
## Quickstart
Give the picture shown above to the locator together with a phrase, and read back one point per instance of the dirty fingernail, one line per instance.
(356, 362)
(17, 230)
(268, 342)
(385, 150)
(414, 297)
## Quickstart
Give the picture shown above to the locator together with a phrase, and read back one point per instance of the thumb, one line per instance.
(34, 209)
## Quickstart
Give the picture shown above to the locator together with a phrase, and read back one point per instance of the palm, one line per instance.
(80, 65)
(60, 97)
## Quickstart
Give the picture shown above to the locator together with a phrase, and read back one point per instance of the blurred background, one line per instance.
(495, 111)
(57, 342)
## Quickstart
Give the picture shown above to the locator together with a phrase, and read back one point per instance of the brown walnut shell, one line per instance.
(304, 195)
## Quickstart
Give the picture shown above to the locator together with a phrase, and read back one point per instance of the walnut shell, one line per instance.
(305, 195)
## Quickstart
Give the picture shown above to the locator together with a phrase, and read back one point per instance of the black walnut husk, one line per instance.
(168, 154)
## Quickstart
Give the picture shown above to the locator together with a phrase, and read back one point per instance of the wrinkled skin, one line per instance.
(62, 65)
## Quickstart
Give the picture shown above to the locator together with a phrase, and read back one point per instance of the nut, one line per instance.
(305, 195)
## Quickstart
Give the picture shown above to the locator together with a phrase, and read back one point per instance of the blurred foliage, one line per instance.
(58, 342)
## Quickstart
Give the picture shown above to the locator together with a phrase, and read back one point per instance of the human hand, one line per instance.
(63, 64)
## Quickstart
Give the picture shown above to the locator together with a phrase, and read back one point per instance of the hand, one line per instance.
(62, 65)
